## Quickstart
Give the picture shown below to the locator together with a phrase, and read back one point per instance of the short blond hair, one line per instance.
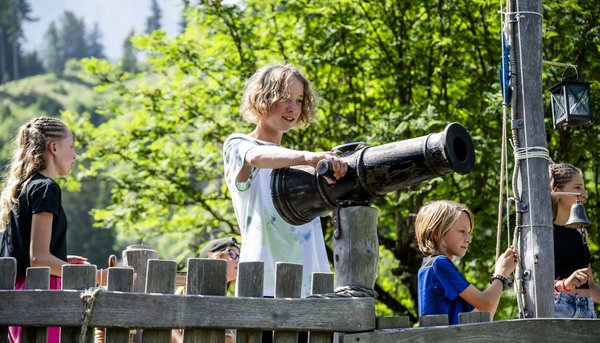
(269, 85)
(433, 222)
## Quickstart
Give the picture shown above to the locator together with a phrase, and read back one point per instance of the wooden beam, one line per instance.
(521, 330)
(125, 310)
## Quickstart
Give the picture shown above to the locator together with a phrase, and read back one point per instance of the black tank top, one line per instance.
(570, 252)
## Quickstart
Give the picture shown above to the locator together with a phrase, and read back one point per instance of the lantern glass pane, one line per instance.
(559, 110)
(578, 100)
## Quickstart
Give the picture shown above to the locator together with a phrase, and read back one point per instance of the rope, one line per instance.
(503, 148)
(532, 152)
(89, 298)
(347, 292)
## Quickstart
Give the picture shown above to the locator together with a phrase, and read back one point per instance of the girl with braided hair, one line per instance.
(33, 224)
(575, 291)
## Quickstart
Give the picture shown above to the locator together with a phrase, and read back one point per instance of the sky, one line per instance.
(116, 19)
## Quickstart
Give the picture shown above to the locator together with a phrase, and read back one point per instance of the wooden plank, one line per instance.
(356, 247)
(125, 310)
(206, 277)
(8, 274)
(160, 279)
(250, 283)
(78, 277)
(519, 330)
(288, 284)
(119, 280)
(137, 256)
(473, 317)
(36, 278)
(322, 283)
(433, 320)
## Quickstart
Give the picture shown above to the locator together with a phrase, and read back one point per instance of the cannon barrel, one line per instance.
(301, 193)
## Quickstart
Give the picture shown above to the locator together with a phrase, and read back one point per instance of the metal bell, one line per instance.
(577, 218)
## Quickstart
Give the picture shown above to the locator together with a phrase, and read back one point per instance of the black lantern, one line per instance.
(571, 103)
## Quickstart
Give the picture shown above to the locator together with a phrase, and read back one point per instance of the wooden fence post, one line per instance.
(250, 283)
(321, 283)
(161, 279)
(356, 247)
(137, 256)
(433, 320)
(77, 277)
(36, 278)
(473, 317)
(8, 274)
(119, 280)
(288, 284)
(206, 277)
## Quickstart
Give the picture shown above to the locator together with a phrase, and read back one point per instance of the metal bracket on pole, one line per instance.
(517, 123)
(522, 206)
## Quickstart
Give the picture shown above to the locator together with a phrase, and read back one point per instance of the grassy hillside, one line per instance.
(49, 95)
(39, 95)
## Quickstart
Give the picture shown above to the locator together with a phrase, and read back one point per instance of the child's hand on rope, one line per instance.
(507, 262)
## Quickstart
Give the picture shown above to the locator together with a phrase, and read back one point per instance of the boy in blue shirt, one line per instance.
(443, 229)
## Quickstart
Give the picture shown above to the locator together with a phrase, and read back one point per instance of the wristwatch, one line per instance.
(501, 278)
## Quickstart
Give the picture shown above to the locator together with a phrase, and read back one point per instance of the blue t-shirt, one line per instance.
(440, 283)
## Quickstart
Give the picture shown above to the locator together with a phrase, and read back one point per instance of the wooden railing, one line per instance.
(204, 312)
(138, 304)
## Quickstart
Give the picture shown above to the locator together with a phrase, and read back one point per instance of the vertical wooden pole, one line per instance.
(250, 283)
(206, 277)
(160, 279)
(8, 274)
(533, 183)
(36, 278)
(288, 284)
(78, 277)
(137, 256)
(356, 247)
(119, 280)
(321, 283)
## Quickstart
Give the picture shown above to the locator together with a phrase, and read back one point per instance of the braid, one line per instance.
(560, 175)
(27, 160)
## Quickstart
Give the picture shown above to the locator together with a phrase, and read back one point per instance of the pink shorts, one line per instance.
(14, 332)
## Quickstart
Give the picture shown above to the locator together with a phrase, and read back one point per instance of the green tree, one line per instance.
(153, 21)
(70, 40)
(129, 60)
(386, 71)
(13, 13)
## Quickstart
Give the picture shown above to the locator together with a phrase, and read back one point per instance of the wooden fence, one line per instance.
(138, 304)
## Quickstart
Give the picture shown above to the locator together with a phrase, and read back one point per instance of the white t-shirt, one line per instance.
(265, 235)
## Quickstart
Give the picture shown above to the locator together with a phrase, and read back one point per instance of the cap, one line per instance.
(218, 245)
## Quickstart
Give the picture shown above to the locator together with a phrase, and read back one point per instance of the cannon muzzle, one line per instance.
(301, 193)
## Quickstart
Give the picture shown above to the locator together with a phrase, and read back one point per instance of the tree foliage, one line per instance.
(70, 39)
(153, 21)
(13, 13)
(386, 71)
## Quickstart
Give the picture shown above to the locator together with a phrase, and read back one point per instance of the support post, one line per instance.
(356, 246)
(534, 210)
